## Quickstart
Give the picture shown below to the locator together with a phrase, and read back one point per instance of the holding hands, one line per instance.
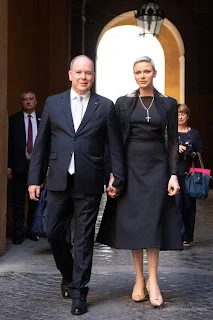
(112, 192)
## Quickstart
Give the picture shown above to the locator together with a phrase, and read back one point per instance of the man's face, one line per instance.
(144, 74)
(28, 102)
(82, 75)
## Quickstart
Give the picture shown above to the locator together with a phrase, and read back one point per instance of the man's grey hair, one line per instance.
(145, 58)
(26, 92)
(81, 56)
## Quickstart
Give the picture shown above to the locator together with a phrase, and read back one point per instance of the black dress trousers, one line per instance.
(84, 211)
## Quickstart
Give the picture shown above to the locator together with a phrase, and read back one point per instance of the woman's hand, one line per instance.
(182, 148)
(112, 191)
(173, 186)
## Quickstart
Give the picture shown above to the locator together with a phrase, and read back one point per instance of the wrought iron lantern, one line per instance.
(149, 19)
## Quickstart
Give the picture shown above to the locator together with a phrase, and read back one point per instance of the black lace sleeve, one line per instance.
(115, 148)
(173, 137)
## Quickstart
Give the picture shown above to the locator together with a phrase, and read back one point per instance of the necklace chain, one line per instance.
(187, 136)
(147, 109)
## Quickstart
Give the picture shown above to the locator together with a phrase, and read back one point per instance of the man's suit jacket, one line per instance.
(98, 127)
(17, 142)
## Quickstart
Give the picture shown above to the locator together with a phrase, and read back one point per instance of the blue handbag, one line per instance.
(39, 226)
(197, 181)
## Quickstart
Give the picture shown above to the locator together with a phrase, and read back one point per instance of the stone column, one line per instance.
(3, 123)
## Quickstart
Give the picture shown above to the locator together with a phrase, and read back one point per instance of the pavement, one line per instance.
(30, 282)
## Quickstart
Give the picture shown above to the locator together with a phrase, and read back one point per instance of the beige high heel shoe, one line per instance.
(139, 296)
(155, 297)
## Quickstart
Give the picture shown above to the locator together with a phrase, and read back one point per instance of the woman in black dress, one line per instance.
(189, 144)
(144, 216)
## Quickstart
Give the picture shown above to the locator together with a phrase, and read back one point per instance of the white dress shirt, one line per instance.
(78, 108)
(34, 127)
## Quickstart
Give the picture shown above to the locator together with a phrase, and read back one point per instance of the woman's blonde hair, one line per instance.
(146, 59)
(182, 108)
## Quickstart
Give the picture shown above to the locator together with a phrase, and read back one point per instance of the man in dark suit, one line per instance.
(23, 127)
(78, 123)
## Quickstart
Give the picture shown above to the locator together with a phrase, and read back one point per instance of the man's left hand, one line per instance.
(112, 192)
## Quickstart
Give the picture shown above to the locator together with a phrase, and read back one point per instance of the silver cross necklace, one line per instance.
(147, 109)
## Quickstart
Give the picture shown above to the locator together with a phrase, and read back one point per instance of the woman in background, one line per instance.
(189, 144)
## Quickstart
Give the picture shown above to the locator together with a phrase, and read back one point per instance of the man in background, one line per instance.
(23, 127)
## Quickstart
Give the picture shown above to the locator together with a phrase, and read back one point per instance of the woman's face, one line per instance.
(182, 118)
(144, 74)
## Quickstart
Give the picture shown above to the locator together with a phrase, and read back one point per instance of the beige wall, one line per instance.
(3, 122)
(172, 65)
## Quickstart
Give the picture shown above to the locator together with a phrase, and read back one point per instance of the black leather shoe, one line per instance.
(64, 289)
(32, 236)
(79, 306)
(18, 241)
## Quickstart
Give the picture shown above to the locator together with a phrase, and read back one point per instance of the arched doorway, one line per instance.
(173, 48)
(118, 49)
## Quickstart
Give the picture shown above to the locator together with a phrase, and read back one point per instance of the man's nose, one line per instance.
(83, 75)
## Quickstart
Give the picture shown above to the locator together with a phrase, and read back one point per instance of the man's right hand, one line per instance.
(34, 192)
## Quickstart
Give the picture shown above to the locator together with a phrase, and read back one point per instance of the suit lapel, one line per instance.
(65, 102)
(22, 127)
(38, 119)
(92, 106)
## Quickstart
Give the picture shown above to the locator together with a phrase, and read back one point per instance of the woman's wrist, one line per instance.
(174, 176)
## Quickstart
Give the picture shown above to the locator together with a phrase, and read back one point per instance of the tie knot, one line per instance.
(29, 116)
(80, 98)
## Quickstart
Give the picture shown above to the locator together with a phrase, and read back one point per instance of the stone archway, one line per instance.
(172, 44)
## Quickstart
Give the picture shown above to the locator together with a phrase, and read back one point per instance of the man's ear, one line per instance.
(70, 75)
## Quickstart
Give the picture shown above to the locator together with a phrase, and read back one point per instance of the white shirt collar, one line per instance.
(74, 94)
(33, 114)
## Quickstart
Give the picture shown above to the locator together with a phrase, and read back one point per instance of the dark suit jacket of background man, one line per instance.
(17, 143)
(20, 165)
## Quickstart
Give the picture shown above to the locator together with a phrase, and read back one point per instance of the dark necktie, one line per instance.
(30, 136)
